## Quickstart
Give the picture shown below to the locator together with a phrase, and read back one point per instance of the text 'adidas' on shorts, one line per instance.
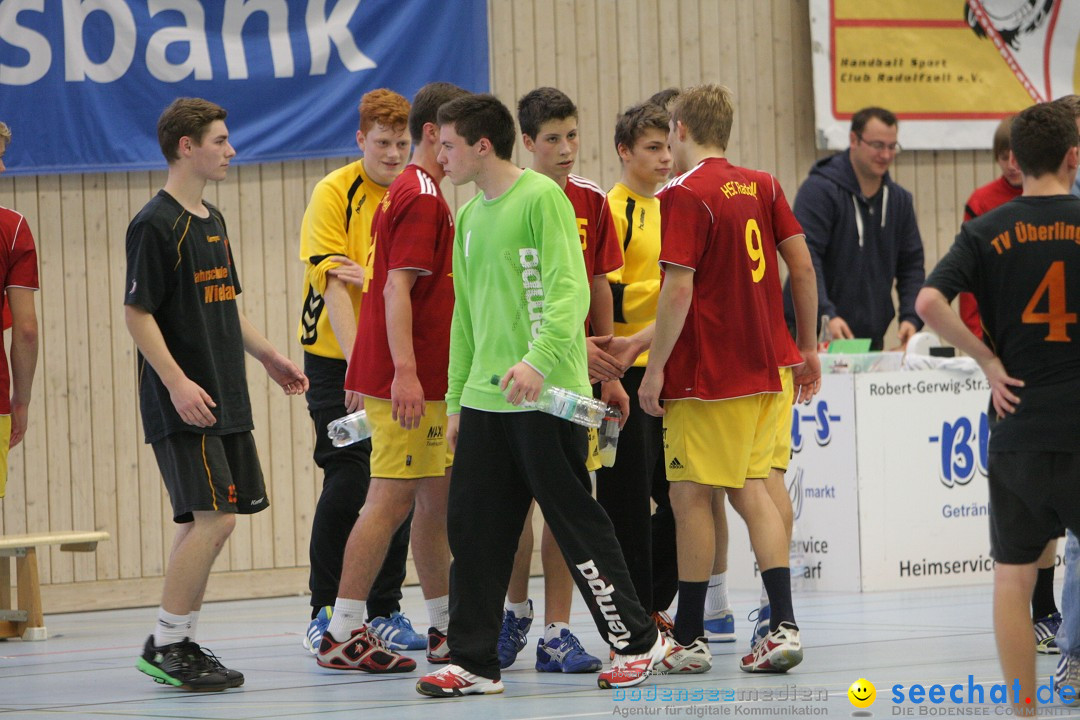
(211, 472)
(397, 453)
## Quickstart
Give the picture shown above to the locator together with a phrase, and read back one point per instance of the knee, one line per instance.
(216, 527)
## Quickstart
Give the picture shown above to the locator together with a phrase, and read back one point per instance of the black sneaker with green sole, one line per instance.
(184, 665)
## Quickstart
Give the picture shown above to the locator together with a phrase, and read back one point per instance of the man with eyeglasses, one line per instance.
(862, 234)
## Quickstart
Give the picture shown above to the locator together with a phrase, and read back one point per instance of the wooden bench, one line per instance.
(27, 620)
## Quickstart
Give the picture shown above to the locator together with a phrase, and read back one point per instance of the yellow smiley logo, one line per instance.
(862, 693)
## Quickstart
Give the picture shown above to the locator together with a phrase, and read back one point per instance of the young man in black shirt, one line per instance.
(181, 310)
(1022, 263)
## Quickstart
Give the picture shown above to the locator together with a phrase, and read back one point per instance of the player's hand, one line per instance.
(192, 403)
(625, 350)
(1005, 401)
(839, 329)
(602, 365)
(904, 333)
(613, 393)
(649, 392)
(524, 384)
(19, 415)
(284, 372)
(453, 424)
(806, 377)
(406, 400)
(349, 271)
(354, 401)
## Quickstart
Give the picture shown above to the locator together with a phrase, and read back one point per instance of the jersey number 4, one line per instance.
(1056, 316)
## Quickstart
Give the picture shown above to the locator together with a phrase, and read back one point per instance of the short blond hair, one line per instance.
(5, 134)
(707, 112)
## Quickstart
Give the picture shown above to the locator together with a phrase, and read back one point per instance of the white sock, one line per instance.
(192, 624)
(438, 610)
(520, 609)
(764, 596)
(716, 598)
(554, 630)
(170, 628)
(348, 616)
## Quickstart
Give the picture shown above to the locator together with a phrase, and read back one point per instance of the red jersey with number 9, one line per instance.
(712, 223)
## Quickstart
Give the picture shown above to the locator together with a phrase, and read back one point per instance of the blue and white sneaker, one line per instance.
(1046, 630)
(720, 627)
(565, 654)
(761, 625)
(1068, 675)
(513, 637)
(397, 632)
(316, 628)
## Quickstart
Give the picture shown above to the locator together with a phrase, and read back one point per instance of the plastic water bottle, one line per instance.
(824, 335)
(350, 429)
(608, 436)
(567, 405)
(797, 561)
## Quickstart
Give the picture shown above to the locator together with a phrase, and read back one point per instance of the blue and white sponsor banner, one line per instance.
(822, 484)
(923, 497)
(82, 82)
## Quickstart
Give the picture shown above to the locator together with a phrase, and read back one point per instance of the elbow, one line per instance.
(927, 302)
(25, 333)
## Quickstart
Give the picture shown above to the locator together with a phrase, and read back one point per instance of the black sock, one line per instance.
(1042, 597)
(690, 620)
(778, 584)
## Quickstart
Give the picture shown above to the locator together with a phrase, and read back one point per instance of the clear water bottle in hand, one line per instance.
(608, 436)
(562, 403)
(350, 429)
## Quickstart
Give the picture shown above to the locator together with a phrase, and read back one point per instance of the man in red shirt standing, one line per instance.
(713, 363)
(18, 267)
(399, 366)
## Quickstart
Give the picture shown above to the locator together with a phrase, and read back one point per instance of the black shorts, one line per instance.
(211, 472)
(1034, 496)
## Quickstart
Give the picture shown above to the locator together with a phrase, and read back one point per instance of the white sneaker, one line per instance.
(778, 652)
(455, 681)
(690, 660)
(630, 670)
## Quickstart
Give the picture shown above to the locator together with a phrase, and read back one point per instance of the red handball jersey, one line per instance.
(603, 254)
(412, 229)
(712, 222)
(984, 199)
(782, 226)
(18, 267)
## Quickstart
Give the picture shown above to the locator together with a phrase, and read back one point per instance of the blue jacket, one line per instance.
(856, 254)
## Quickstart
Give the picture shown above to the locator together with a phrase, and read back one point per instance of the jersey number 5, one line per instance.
(1056, 316)
(754, 249)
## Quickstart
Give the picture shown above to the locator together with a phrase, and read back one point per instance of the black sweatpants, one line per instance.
(502, 462)
(624, 491)
(346, 477)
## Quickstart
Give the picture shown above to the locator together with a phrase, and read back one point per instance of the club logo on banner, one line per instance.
(949, 69)
(82, 82)
(963, 449)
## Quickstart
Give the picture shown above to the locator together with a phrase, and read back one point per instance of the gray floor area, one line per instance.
(85, 669)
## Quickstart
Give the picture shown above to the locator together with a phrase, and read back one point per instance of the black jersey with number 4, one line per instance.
(1022, 263)
(180, 269)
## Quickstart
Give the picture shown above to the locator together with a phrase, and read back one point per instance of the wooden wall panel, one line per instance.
(83, 463)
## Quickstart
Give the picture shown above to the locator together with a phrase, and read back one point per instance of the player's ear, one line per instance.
(530, 144)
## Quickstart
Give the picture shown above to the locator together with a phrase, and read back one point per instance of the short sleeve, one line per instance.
(958, 271)
(609, 256)
(412, 242)
(785, 225)
(684, 227)
(150, 277)
(22, 260)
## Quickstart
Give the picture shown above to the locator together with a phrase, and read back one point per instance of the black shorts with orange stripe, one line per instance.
(211, 472)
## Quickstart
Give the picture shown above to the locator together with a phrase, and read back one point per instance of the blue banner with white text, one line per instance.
(82, 82)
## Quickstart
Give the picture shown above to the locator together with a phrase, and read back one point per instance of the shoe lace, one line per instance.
(191, 656)
(399, 621)
(510, 634)
(571, 644)
(211, 659)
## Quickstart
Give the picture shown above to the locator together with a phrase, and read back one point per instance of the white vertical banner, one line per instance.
(821, 482)
(923, 499)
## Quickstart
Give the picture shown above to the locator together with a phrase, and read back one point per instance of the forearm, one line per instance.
(804, 292)
(600, 307)
(255, 344)
(399, 322)
(24, 344)
(343, 320)
(147, 335)
(936, 311)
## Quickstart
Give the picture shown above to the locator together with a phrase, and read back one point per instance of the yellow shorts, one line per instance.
(782, 447)
(5, 437)
(720, 443)
(402, 454)
(592, 460)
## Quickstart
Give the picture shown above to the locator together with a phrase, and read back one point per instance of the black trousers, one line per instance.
(624, 491)
(502, 462)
